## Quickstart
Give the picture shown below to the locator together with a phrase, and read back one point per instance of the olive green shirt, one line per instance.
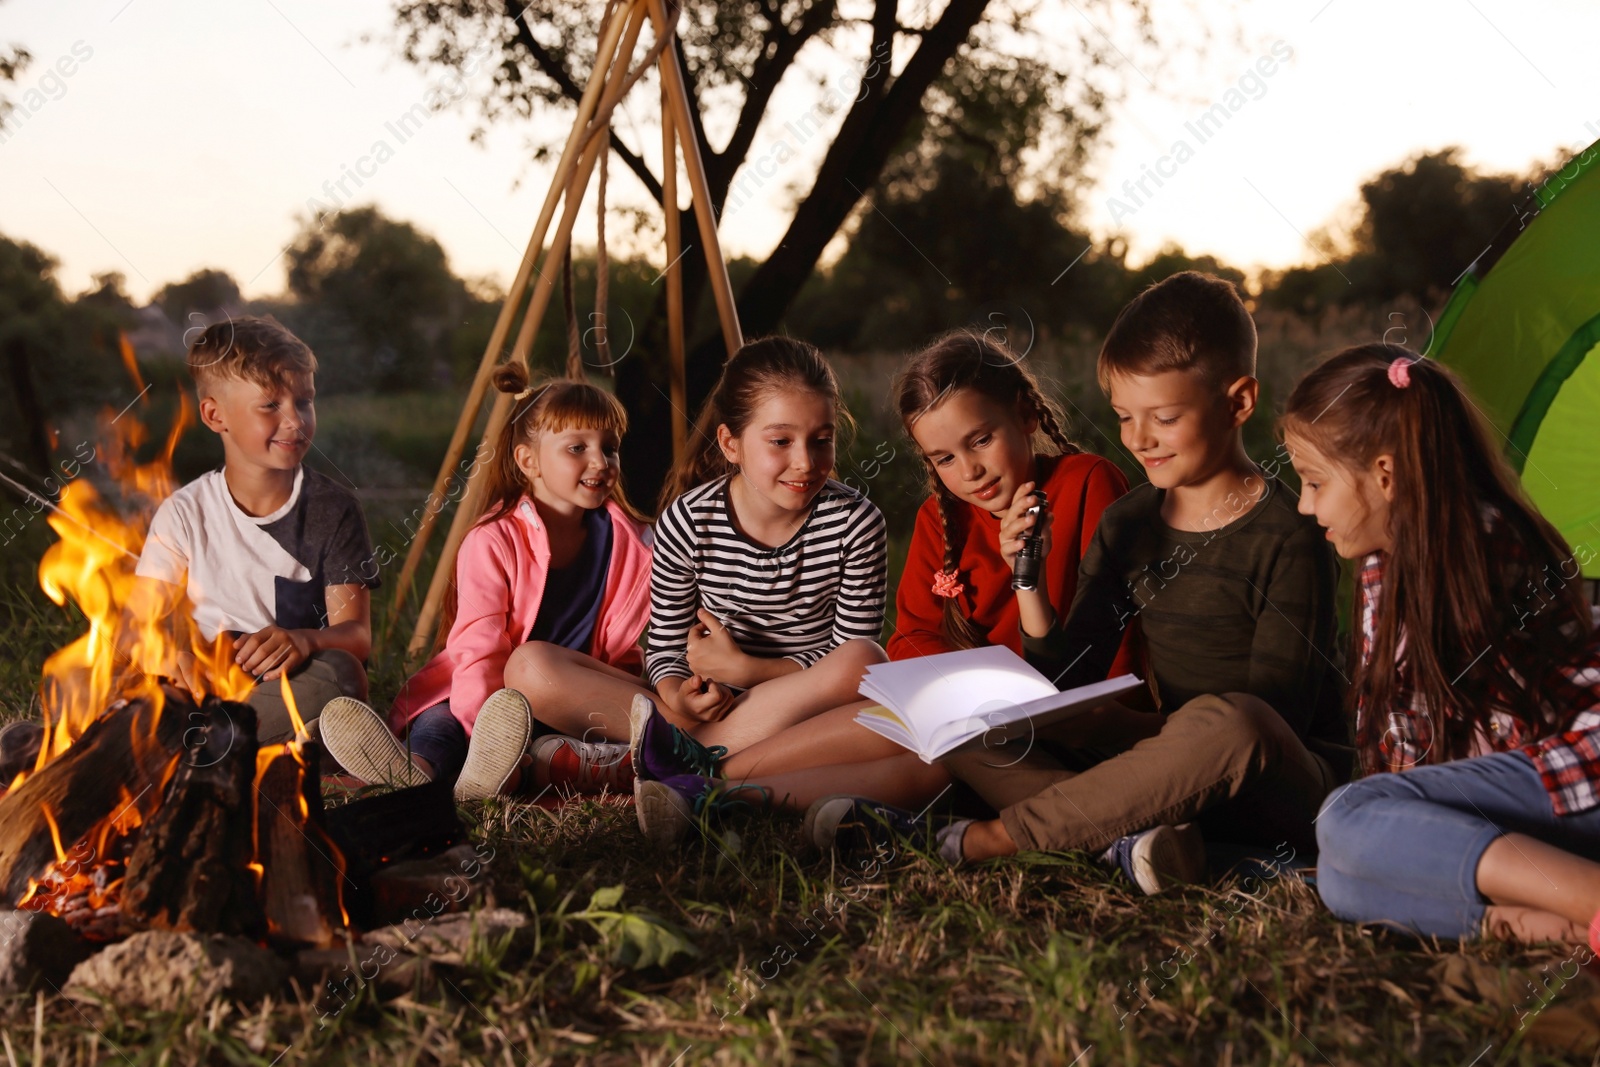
(1247, 606)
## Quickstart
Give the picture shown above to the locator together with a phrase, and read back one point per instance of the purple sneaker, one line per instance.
(660, 750)
(667, 808)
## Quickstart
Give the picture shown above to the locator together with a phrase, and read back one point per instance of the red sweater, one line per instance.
(1079, 486)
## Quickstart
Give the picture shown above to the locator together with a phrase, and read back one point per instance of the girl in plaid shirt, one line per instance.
(1477, 671)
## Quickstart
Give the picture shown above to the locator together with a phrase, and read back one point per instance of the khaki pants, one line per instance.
(1229, 763)
(327, 674)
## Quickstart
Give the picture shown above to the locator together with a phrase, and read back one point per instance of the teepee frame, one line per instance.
(612, 77)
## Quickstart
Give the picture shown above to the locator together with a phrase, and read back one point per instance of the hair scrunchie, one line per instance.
(946, 584)
(1400, 373)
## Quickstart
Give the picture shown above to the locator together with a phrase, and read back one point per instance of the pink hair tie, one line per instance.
(1400, 373)
(946, 584)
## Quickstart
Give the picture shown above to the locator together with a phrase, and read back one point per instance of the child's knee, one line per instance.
(1234, 722)
(1340, 822)
(857, 654)
(531, 665)
(345, 672)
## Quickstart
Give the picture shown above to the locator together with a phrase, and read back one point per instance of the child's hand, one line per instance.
(1016, 521)
(704, 700)
(713, 653)
(274, 651)
(188, 671)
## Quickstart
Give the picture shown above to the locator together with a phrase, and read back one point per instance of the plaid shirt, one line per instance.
(1566, 753)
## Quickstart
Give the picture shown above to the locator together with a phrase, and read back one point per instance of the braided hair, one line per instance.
(967, 359)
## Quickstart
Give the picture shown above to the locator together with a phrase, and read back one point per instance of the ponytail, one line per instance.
(1447, 607)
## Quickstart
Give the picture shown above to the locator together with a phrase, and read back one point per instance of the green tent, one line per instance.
(1523, 329)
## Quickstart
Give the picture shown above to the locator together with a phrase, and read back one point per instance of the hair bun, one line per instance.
(511, 377)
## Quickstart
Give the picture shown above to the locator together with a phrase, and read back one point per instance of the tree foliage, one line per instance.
(384, 292)
(1420, 225)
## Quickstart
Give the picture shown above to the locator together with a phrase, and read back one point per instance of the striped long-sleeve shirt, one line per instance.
(823, 587)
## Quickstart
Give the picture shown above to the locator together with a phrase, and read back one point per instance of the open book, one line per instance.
(934, 705)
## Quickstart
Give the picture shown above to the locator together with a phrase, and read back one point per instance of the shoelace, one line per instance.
(720, 799)
(599, 767)
(702, 759)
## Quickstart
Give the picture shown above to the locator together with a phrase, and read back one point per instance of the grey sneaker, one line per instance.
(360, 739)
(499, 741)
(1160, 858)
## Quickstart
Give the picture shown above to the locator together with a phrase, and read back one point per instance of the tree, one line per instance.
(12, 63)
(204, 292)
(381, 290)
(1018, 267)
(55, 354)
(1421, 224)
(32, 323)
(899, 81)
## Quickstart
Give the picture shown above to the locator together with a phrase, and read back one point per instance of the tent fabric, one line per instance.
(1525, 335)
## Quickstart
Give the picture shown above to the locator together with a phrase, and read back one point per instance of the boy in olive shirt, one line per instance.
(1234, 592)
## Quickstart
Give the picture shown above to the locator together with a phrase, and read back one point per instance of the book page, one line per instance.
(930, 691)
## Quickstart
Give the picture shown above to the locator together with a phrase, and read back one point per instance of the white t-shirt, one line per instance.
(245, 572)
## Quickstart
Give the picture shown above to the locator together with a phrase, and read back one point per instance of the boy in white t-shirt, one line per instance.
(274, 554)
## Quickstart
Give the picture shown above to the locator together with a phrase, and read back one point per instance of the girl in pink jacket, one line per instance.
(560, 558)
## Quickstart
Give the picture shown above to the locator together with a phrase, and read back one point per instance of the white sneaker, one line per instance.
(1160, 858)
(360, 739)
(499, 740)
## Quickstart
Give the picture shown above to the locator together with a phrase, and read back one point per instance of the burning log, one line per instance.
(190, 868)
(297, 863)
(114, 772)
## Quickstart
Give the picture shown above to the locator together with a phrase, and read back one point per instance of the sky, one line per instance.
(159, 137)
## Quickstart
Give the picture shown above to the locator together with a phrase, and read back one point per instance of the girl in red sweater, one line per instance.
(976, 413)
(989, 437)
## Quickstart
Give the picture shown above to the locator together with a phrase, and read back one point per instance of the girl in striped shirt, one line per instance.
(768, 578)
(1476, 672)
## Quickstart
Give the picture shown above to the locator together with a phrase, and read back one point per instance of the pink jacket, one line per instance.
(500, 576)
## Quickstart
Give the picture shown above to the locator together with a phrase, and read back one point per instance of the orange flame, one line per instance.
(130, 362)
(139, 629)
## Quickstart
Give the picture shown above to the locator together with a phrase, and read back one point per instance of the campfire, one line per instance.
(154, 808)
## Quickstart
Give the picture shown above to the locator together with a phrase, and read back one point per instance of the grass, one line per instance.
(1042, 958)
(745, 947)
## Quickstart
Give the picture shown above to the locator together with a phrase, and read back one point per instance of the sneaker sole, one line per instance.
(821, 825)
(499, 738)
(1169, 857)
(639, 713)
(356, 736)
(664, 816)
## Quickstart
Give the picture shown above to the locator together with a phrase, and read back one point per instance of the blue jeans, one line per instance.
(438, 737)
(1403, 849)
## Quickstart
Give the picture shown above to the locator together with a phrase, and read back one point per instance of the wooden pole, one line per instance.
(674, 272)
(491, 354)
(477, 483)
(694, 167)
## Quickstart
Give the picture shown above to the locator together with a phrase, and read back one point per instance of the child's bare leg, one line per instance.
(986, 840)
(574, 693)
(1505, 922)
(828, 739)
(1538, 891)
(902, 780)
(776, 705)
